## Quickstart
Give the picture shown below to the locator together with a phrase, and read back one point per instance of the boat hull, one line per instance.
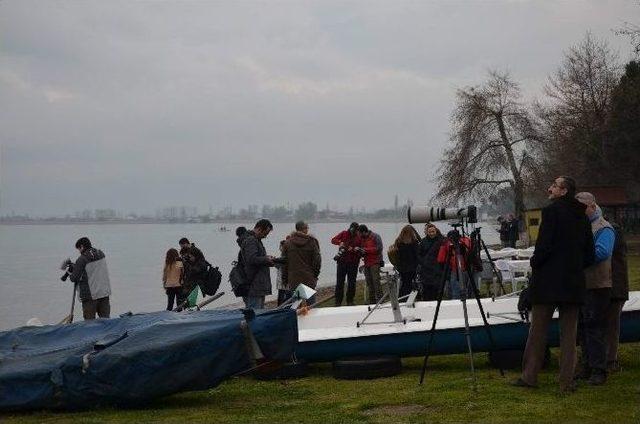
(508, 335)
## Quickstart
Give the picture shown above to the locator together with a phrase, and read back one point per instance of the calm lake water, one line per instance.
(30, 257)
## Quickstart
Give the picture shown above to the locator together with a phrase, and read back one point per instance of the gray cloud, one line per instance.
(145, 104)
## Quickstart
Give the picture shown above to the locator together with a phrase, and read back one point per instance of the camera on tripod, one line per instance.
(66, 266)
(422, 214)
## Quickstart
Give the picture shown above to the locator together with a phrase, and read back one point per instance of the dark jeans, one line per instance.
(173, 293)
(284, 295)
(593, 328)
(350, 271)
(406, 283)
(613, 331)
(253, 302)
(101, 307)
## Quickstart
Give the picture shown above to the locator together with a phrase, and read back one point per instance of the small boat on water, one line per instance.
(328, 334)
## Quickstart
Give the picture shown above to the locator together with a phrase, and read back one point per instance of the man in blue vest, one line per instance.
(593, 315)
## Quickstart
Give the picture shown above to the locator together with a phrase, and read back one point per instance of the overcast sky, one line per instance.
(139, 105)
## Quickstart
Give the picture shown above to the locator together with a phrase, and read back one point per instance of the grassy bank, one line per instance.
(445, 397)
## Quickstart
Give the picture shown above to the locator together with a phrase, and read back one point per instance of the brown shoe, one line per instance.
(521, 383)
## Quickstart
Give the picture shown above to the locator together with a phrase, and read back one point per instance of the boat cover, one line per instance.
(135, 357)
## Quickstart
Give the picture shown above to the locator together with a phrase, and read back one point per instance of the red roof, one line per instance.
(607, 195)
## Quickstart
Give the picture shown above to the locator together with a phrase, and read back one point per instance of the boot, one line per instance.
(584, 373)
(598, 377)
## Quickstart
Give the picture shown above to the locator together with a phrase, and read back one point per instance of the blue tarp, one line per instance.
(135, 357)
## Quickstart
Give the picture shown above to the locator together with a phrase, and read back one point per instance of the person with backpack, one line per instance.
(172, 275)
(256, 264)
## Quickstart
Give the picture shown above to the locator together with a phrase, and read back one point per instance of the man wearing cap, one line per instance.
(593, 315)
(347, 259)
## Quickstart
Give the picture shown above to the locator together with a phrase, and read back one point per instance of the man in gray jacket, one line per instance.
(256, 264)
(92, 277)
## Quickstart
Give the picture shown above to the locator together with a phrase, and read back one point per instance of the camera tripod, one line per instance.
(478, 243)
(464, 277)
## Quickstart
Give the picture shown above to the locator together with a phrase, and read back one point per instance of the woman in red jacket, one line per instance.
(447, 249)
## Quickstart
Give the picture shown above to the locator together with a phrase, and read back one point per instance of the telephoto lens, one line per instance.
(422, 214)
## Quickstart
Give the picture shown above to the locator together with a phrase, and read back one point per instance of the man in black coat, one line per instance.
(564, 248)
(256, 264)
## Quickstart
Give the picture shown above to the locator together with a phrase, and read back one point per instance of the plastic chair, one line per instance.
(509, 271)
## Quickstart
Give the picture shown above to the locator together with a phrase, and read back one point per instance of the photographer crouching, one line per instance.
(92, 277)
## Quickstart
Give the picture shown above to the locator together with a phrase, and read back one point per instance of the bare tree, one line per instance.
(632, 31)
(491, 130)
(575, 117)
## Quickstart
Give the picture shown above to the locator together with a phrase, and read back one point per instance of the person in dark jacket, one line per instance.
(347, 259)
(92, 277)
(195, 271)
(186, 244)
(619, 295)
(504, 231)
(430, 271)
(407, 245)
(564, 248)
(256, 264)
(513, 230)
(302, 260)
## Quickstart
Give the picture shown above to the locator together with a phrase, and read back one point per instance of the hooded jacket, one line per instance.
(91, 274)
(564, 248)
(303, 261)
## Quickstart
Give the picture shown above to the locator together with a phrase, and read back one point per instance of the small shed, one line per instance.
(532, 219)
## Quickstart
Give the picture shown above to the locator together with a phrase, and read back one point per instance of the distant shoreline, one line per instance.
(156, 221)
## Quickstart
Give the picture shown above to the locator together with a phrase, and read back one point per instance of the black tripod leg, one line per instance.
(487, 327)
(435, 318)
(467, 330)
(493, 266)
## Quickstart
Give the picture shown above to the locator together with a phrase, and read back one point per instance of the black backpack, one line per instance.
(211, 281)
(238, 278)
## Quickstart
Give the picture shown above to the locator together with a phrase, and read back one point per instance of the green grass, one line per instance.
(446, 396)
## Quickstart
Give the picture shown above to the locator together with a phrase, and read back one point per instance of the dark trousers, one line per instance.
(406, 283)
(534, 351)
(593, 328)
(284, 295)
(173, 293)
(430, 292)
(613, 329)
(350, 271)
(101, 307)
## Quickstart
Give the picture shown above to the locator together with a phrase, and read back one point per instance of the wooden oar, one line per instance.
(69, 318)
